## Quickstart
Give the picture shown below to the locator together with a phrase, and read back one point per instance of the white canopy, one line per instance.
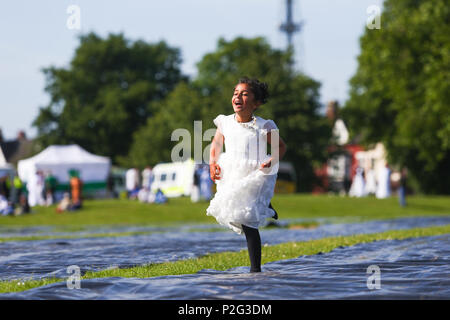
(5, 168)
(60, 159)
(2, 159)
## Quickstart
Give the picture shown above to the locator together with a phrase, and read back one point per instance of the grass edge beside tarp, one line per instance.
(213, 228)
(226, 260)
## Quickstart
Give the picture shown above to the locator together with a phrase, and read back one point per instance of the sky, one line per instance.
(35, 34)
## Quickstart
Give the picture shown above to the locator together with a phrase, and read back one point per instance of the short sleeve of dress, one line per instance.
(270, 125)
(218, 121)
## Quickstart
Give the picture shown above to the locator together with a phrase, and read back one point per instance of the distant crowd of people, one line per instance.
(18, 197)
(201, 188)
(13, 196)
(365, 184)
(143, 192)
(44, 189)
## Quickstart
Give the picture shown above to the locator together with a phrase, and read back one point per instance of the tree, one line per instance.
(106, 93)
(152, 142)
(400, 93)
(293, 103)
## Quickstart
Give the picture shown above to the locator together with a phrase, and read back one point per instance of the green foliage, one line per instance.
(152, 143)
(105, 94)
(293, 101)
(124, 100)
(293, 104)
(400, 94)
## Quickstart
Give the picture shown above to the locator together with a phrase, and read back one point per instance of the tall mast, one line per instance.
(289, 27)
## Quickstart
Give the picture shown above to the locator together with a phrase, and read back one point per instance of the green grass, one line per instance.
(226, 260)
(181, 210)
(76, 236)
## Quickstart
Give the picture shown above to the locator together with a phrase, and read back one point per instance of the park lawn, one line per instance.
(179, 211)
(226, 260)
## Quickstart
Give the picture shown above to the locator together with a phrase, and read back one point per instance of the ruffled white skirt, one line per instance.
(243, 193)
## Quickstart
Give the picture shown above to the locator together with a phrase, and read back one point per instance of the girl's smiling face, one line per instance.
(243, 100)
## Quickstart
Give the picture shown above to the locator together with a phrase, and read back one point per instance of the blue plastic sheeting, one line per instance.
(51, 258)
(408, 269)
(13, 231)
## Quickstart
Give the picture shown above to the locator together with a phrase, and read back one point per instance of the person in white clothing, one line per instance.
(384, 183)
(245, 175)
(358, 185)
(147, 178)
(132, 182)
(35, 187)
(195, 193)
(371, 183)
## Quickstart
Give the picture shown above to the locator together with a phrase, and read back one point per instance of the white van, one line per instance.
(174, 179)
(177, 178)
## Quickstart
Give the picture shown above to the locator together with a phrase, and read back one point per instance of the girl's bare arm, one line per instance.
(214, 153)
(282, 148)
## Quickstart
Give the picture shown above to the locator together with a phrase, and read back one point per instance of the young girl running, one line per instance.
(245, 174)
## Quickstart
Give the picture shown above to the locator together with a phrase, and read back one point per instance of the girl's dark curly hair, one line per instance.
(259, 89)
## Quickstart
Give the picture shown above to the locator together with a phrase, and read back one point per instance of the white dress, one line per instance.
(371, 184)
(384, 182)
(244, 190)
(358, 186)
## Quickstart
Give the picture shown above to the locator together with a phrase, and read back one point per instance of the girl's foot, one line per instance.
(275, 216)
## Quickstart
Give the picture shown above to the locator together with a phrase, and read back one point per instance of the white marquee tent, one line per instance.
(5, 168)
(59, 160)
